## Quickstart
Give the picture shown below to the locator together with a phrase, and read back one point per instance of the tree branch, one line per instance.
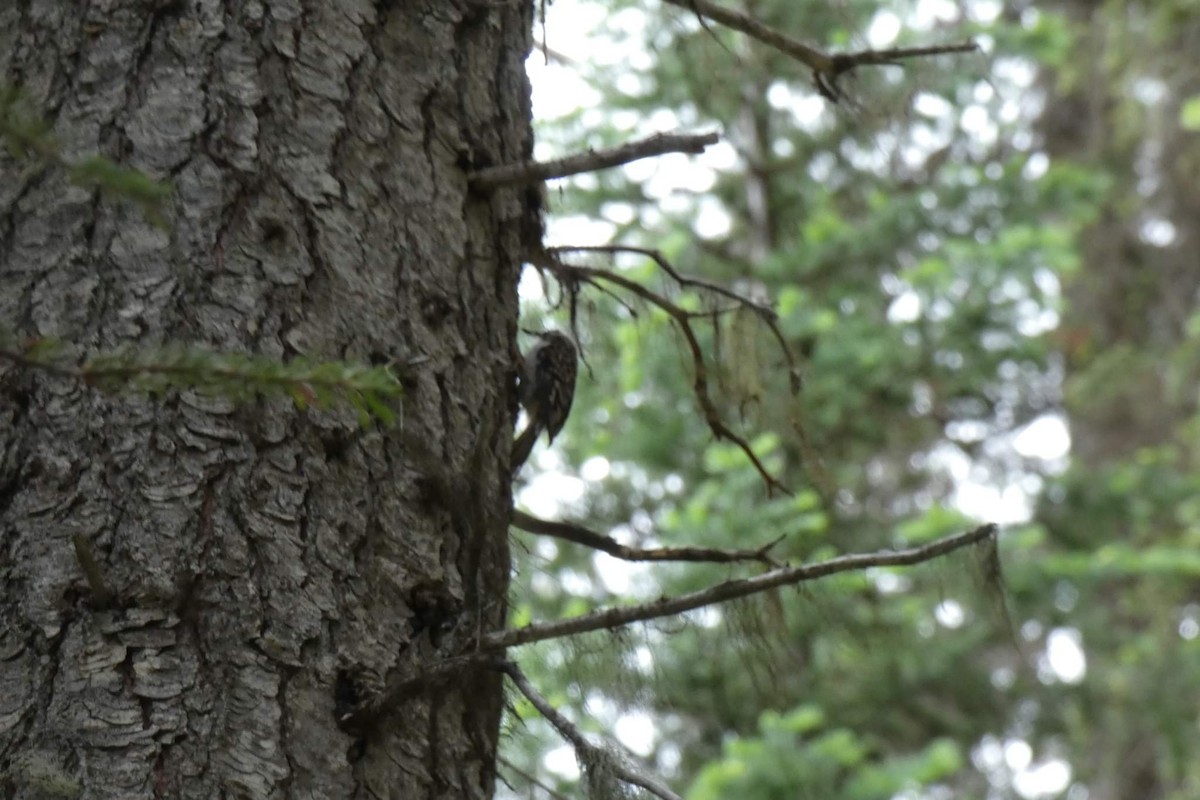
(578, 534)
(402, 688)
(592, 160)
(826, 68)
(765, 312)
(610, 618)
(533, 779)
(843, 63)
(683, 320)
(591, 756)
(815, 59)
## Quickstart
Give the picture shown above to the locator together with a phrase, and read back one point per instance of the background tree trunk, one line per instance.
(1132, 300)
(268, 565)
(1130, 378)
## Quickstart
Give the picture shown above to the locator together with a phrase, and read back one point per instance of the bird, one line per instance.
(547, 389)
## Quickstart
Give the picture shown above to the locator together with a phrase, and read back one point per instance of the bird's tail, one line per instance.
(523, 446)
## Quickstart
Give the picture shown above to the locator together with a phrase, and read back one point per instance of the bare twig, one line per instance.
(815, 59)
(713, 313)
(578, 534)
(704, 24)
(683, 320)
(533, 779)
(592, 160)
(551, 54)
(609, 757)
(826, 68)
(844, 63)
(765, 312)
(405, 687)
(610, 618)
(683, 280)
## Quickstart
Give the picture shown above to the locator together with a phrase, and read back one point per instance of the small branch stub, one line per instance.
(570, 532)
(591, 161)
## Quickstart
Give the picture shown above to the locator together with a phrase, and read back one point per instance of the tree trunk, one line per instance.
(1132, 301)
(1125, 327)
(269, 567)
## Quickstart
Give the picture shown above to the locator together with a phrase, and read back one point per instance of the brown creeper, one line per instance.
(547, 390)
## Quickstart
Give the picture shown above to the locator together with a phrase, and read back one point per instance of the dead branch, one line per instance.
(533, 779)
(610, 618)
(592, 160)
(569, 531)
(844, 63)
(402, 688)
(765, 312)
(815, 59)
(607, 757)
(683, 320)
(826, 68)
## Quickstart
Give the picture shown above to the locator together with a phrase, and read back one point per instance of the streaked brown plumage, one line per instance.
(547, 390)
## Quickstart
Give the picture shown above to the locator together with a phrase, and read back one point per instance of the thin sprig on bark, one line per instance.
(233, 375)
(27, 136)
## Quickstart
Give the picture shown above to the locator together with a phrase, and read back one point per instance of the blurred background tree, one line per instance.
(974, 255)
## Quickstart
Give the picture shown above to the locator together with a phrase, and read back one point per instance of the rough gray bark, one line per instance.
(267, 563)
